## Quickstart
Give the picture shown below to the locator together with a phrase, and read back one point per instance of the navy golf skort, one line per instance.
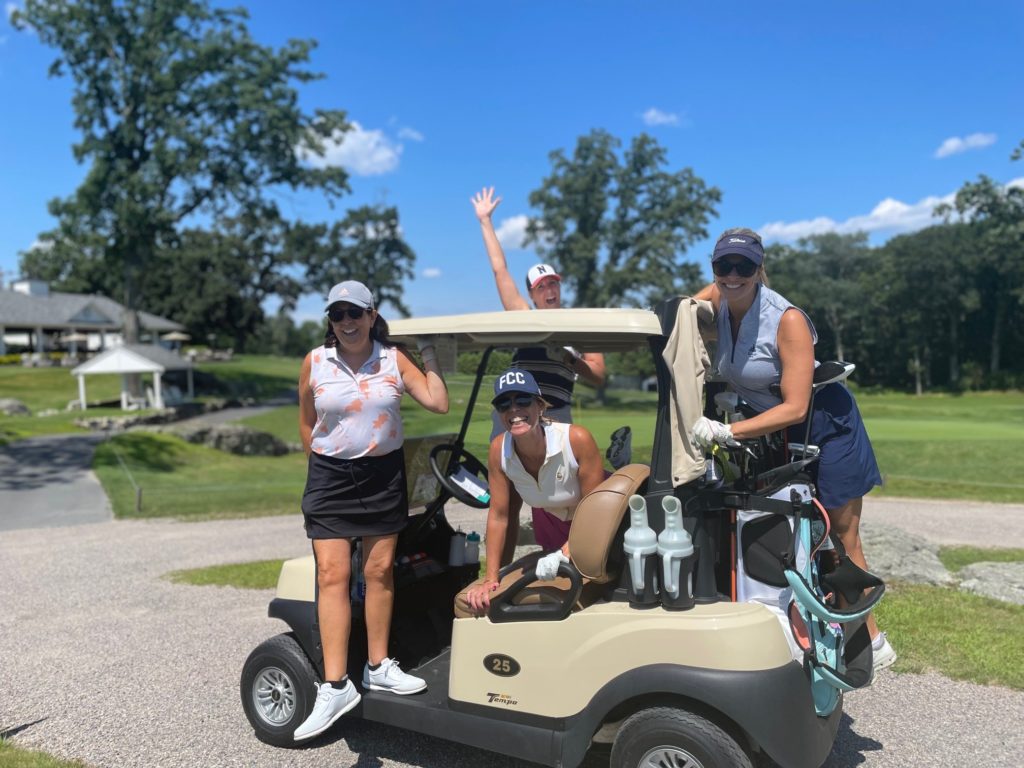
(846, 468)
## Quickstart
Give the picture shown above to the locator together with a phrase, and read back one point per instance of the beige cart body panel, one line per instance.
(564, 664)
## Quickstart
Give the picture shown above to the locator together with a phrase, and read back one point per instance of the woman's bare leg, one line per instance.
(378, 570)
(846, 525)
(333, 568)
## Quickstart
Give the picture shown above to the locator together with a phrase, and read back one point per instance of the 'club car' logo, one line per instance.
(501, 698)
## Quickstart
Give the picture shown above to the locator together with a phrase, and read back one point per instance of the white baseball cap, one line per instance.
(352, 292)
(540, 272)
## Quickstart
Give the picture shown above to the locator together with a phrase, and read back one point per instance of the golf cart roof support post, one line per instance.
(481, 371)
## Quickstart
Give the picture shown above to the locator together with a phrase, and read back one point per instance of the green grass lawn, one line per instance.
(12, 756)
(193, 482)
(967, 446)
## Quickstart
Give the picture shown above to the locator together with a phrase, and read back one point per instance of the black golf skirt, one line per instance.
(349, 498)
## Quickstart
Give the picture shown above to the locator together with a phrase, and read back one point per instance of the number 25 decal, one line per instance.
(501, 665)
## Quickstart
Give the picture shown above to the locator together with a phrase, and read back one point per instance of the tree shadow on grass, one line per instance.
(141, 451)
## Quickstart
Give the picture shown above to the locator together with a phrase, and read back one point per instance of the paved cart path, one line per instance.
(48, 481)
(105, 660)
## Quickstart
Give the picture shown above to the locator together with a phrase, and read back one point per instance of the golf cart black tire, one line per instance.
(283, 653)
(675, 728)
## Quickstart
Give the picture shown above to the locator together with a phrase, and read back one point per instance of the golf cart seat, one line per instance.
(595, 548)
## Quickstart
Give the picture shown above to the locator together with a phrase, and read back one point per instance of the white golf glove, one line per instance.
(707, 432)
(564, 355)
(547, 566)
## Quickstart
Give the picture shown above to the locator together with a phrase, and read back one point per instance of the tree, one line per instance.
(367, 245)
(183, 118)
(617, 228)
(927, 281)
(996, 214)
(217, 282)
(821, 276)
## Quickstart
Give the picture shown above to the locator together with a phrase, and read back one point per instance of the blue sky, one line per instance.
(808, 116)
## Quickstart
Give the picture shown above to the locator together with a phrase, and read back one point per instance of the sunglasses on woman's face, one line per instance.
(743, 267)
(337, 314)
(521, 401)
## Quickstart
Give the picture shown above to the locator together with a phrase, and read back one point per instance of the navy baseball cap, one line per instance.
(741, 245)
(515, 380)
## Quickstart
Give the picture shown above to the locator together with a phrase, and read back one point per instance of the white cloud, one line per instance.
(655, 116)
(892, 216)
(360, 151)
(430, 272)
(955, 145)
(410, 134)
(512, 231)
(889, 216)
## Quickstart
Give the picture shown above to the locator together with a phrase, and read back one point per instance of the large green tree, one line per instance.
(924, 288)
(821, 276)
(216, 281)
(995, 213)
(366, 245)
(184, 119)
(616, 222)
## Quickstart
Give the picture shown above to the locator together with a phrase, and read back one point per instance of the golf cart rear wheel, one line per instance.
(664, 737)
(278, 689)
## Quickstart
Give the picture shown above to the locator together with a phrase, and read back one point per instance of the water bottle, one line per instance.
(473, 548)
(641, 547)
(356, 577)
(457, 549)
(675, 548)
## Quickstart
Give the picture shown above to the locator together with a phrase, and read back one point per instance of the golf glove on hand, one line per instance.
(707, 432)
(547, 566)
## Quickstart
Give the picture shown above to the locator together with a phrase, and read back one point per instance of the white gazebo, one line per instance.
(134, 358)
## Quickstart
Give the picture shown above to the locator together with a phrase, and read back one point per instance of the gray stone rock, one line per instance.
(1001, 581)
(11, 407)
(237, 439)
(896, 555)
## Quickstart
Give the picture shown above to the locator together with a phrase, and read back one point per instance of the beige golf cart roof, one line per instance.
(597, 330)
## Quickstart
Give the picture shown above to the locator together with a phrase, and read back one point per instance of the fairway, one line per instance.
(968, 446)
(941, 446)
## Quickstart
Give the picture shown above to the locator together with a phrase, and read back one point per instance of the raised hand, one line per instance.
(484, 203)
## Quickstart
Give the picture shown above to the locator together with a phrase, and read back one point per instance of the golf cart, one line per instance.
(750, 655)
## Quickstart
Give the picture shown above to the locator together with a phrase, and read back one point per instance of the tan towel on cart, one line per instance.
(687, 358)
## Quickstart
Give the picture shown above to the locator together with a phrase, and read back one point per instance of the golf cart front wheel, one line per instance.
(278, 689)
(665, 736)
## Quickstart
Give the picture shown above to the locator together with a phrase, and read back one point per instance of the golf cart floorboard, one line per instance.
(429, 713)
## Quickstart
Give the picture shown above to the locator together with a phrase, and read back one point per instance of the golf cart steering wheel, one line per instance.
(465, 459)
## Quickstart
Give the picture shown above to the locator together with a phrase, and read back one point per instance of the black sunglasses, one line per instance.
(522, 401)
(744, 267)
(337, 314)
